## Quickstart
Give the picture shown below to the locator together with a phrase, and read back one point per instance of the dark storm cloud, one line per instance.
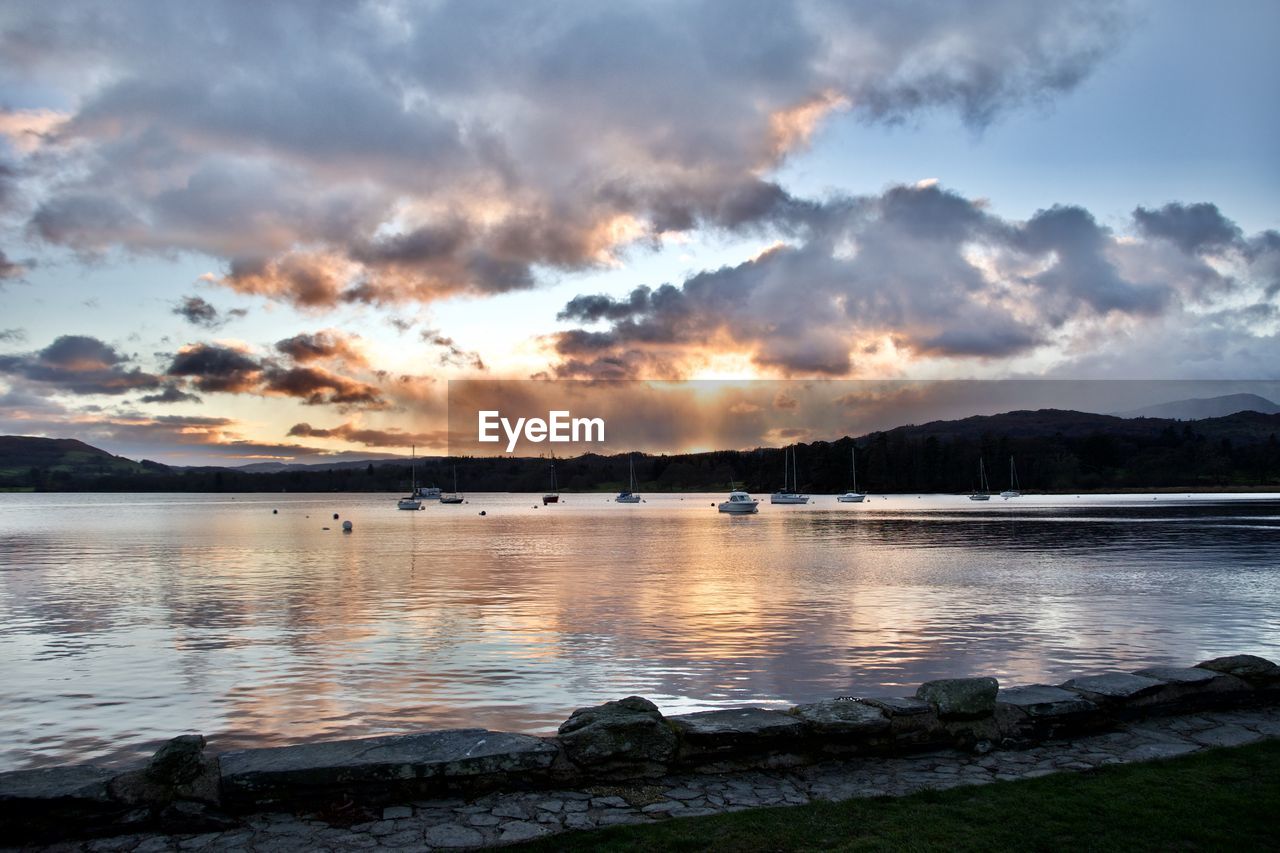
(322, 346)
(79, 364)
(316, 386)
(217, 368)
(387, 153)
(368, 437)
(198, 312)
(170, 394)
(925, 268)
(1193, 227)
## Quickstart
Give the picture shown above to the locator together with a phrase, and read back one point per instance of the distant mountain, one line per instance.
(1208, 407)
(1246, 426)
(364, 462)
(1056, 450)
(63, 457)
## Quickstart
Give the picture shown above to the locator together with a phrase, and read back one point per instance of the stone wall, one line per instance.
(182, 789)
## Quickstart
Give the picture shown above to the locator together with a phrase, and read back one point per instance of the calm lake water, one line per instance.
(127, 619)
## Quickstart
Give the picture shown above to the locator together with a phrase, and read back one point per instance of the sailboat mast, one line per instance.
(853, 464)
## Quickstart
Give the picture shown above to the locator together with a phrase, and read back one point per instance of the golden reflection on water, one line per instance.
(126, 619)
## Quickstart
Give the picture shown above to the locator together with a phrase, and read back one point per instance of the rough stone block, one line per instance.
(736, 731)
(895, 706)
(1193, 689)
(37, 803)
(1037, 711)
(178, 771)
(397, 763)
(960, 698)
(844, 718)
(177, 762)
(627, 735)
(76, 783)
(1115, 690)
(913, 724)
(1253, 670)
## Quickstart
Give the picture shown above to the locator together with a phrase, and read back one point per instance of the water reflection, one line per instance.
(125, 619)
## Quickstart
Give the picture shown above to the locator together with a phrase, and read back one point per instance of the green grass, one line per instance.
(1225, 799)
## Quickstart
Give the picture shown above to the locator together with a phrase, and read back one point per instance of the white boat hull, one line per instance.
(739, 507)
(851, 498)
(1010, 494)
(409, 504)
(627, 499)
(979, 497)
(788, 499)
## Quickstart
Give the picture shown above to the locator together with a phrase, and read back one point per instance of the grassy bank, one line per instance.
(1226, 799)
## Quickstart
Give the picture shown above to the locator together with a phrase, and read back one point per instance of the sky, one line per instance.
(241, 232)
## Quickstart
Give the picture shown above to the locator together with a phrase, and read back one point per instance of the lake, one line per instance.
(126, 619)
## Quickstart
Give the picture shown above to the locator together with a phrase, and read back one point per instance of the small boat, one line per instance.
(411, 502)
(783, 496)
(984, 490)
(853, 496)
(1012, 491)
(553, 496)
(739, 503)
(431, 493)
(454, 497)
(629, 496)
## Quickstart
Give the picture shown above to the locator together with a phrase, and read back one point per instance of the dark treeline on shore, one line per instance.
(1054, 452)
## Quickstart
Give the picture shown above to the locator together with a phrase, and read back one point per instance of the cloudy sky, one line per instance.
(235, 231)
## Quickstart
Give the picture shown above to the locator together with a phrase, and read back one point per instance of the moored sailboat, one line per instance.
(853, 496)
(454, 497)
(553, 496)
(1012, 491)
(984, 490)
(629, 496)
(411, 502)
(783, 495)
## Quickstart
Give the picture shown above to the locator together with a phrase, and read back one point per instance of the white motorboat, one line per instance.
(431, 493)
(411, 502)
(629, 496)
(984, 489)
(785, 495)
(739, 502)
(1012, 491)
(853, 496)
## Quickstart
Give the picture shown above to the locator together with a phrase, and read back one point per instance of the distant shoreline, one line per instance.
(1132, 490)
